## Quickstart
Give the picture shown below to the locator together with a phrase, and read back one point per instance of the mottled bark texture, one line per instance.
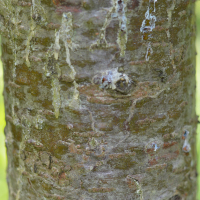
(99, 99)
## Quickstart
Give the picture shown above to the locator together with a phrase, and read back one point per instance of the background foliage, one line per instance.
(3, 161)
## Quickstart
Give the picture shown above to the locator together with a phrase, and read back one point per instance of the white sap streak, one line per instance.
(154, 5)
(148, 25)
(151, 19)
(186, 146)
(149, 51)
(65, 34)
(56, 45)
(33, 4)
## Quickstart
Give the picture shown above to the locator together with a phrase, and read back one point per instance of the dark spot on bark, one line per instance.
(94, 169)
(122, 86)
(35, 168)
(36, 17)
(162, 75)
(50, 161)
(176, 197)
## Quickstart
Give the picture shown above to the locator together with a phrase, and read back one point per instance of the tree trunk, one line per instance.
(99, 99)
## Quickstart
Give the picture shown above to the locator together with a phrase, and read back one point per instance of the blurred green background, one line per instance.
(3, 161)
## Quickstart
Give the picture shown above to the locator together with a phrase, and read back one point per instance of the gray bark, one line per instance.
(99, 99)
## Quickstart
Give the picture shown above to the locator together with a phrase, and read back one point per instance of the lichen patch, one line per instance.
(65, 34)
(116, 12)
(56, 96)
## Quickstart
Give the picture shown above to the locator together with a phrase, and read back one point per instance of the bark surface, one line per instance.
(99, 99)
